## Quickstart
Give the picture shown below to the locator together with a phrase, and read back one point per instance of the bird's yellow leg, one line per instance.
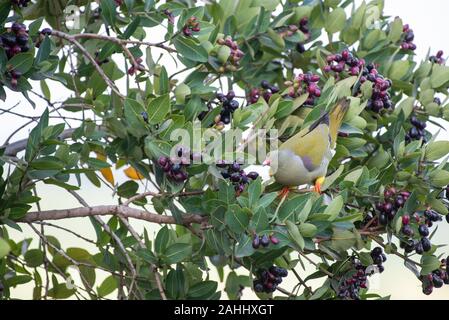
(318, 183)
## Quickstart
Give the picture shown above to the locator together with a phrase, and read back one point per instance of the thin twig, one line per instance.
(72, 39)
(114, 236)
(142, 246)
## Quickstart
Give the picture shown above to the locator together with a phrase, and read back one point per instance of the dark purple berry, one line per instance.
(253, 175)
(437, 281)
(419, 249)
(423, 230)
(256, 242)
(264, 240)
(265, 84)
(426, 244)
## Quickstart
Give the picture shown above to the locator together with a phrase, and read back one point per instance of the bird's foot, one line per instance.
(284, 192)
(318, 183)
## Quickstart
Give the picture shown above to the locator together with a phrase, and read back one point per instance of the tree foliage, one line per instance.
(386, 179)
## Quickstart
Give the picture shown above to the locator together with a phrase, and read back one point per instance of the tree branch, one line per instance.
(72, 40)
(108, 210)
(14, 148)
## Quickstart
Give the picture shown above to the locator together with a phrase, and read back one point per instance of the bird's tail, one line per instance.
(336, 118)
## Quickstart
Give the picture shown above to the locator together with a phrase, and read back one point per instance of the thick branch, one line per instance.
(108, 210)
(15, 147)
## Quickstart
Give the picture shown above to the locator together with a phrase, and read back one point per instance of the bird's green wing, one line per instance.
(310, 145)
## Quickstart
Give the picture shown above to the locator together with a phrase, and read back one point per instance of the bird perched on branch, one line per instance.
(305, 157)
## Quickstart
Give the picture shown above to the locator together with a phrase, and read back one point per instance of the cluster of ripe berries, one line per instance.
(236, 175)
(344, 62)
(394, 201)
(408, 37)
(235, 56)
(175, 168)
(15, 41)
(380, 98)
(192, 25)
(350, 287)
(268, 280)
(264, 240)
(436, 279)
(424, 220)
(417, 131)
(20, 3)
(438, 58)
(305, 83)
(228, 106)
(266, 91)
(137, 67)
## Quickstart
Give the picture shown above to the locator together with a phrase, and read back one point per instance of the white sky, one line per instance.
(430, 23)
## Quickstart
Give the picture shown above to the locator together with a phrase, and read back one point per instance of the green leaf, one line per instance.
(259, 221)
(181, 92)
(254, 191)
(158, 108)
(439, 178)
(244, 248)
(162, 85)
(147, 256)
(177, 252)
(237, 219)
(193, 108)
(4, 248)
(34, 258)
(61, 291)
(35, 136)
(440, 75)
(44, 51)
(188, 48)
(202, 290)
(295, 235)
(399, 69)
(108, 286)
(308, 230)
(429, 264)
(328, 182)
(395, 30)
(128, 189)
(108, 8)
(336, 20)
(47, 163)
(334, 208)
(133, 114)
(436, 150)
(342, 240)
(161, 241)
(97, 163)
(5, 7)
(22, 62)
